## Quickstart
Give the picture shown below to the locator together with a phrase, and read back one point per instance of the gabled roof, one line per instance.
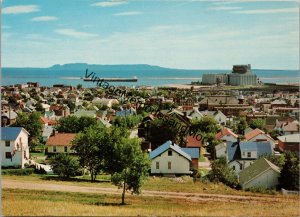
(256, 169)
(192, 142)
(11, 133)
(225, 132)
(10, 114)
(166, 146)
(277, 101)
(253, 133)
(290, 138)
(193, 152)
(61, 139)
(261, 148)
(290, 127)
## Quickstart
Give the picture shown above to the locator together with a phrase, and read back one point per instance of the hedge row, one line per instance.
(18, 172)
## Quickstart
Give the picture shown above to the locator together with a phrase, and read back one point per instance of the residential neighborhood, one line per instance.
(241, 130)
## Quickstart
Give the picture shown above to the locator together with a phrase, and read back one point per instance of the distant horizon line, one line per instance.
(139, 64)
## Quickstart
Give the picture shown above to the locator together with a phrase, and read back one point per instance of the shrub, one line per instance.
(220, 172)
(64, 165)
(261, 190)
(18, 172)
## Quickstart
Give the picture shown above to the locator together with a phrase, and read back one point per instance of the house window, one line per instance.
(233, 167)
(7, 155)
(169, 153)
(157, 165)
(54, 148)
(169, 165)
(7, 143)
(243, 153)
(66, 149)
(24, 154)
(248, 154)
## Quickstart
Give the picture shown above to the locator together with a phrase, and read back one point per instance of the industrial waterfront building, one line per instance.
(241, 75)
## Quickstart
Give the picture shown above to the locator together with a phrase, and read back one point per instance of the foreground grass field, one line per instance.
(183, 184)
(31, 203)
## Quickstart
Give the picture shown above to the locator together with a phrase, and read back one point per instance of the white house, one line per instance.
(262, 173)
(169, 158)
(217, 115)
(258, 135)
(220, 150)
(14, 147)
(226, 135)
(241, 155)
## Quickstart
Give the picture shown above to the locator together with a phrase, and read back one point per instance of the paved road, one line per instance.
(32, 185)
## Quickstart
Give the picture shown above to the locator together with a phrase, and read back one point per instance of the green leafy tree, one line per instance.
(221, 172)
(212, 142)
(159, 131)
(39, 107)
(257, 123)
(91, 150)
(73, 124)
(32, 123)
(241, 126)
(133, 167)
(79, 86)
(127, 122)
(65, 165)
(207, 124)
(289, 176)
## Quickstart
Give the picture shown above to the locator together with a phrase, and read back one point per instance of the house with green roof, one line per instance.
(262, 173)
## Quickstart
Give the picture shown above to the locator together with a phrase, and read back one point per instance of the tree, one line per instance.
(220, 172)
(39, 107)
(257, 123)
(79, 86)
(91, 150)
(289, 176)
(128, 121)
(207, 124)
(64, 165)
(134, 167)
(30, 122)
(210, 138)
(73, 124)
(241, 126)
(159, 131)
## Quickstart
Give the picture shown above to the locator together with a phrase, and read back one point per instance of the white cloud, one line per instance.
(75, 34)
(20, 9)
(109, 3)
(44, 18)
(128, 13)
(268, 11)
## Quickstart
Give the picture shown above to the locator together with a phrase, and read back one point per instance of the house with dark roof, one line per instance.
(240, 155)
(14, 147)
(170, 159)
(262, 173)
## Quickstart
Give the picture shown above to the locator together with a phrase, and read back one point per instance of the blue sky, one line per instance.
(190, 34)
